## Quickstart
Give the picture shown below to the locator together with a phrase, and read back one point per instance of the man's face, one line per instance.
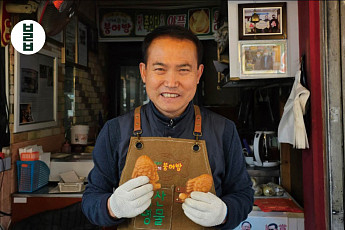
(171, 74)
(246, 226)
(272, 228)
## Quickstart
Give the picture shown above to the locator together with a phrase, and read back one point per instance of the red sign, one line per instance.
(5, 28)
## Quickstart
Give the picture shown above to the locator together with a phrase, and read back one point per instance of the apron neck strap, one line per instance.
(197, 124)
(137, 125)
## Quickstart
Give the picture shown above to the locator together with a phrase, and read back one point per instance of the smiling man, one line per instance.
(171, 74)
(181, 142)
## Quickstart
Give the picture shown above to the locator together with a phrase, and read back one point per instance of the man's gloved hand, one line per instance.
(132, 198)
(205, 209)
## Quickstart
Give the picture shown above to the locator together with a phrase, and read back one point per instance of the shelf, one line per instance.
(270, 82)
(263, 172)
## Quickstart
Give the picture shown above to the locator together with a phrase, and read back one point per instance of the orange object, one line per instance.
(57, 3)
(144, 166)
(29, 156)
(202, 183)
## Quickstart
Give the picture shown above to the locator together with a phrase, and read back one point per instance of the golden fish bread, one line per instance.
(144, 166)
(202, 183)
(199, 22)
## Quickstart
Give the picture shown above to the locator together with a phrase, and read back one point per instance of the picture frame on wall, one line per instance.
(82, 45)
(69, 50)
(262, 21)
(264, 58)
(35, 90)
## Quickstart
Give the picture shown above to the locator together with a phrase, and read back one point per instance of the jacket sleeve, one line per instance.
(237, 193)
(103, 178)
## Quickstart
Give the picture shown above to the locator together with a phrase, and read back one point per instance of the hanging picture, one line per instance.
(69, 51)
(262, 21)
(35, 90)
(263, 58)
(82, 44)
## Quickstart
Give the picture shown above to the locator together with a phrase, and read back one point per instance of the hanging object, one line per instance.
(54, 15)
(291, 127)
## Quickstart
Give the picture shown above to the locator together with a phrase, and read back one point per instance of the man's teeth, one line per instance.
(169, 95)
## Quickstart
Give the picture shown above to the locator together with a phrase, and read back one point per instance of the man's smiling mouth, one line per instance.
(170, 95)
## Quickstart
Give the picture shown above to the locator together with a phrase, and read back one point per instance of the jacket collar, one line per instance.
(168, 120)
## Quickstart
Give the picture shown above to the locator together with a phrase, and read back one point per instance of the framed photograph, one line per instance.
(82, 54)
(69, 51)
(35, 90)
(263, 59)
(262, 21)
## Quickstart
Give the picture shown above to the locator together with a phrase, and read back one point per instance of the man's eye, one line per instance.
(159, 69)
(184, 70)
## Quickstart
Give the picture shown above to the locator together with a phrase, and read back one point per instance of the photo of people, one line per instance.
(25, 114)
(264, 223)
(29, 81)
(270, 19)
(272, 226)
(263, 58)
(246, 225)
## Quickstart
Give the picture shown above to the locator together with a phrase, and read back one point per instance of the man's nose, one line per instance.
(171, 79)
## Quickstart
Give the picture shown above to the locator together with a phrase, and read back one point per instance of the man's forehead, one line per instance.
(157, 40)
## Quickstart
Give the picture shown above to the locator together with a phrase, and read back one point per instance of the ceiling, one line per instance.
(159, 4)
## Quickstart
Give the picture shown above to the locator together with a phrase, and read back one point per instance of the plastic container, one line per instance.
(71, 186)
(79, 134)
(34, 156)
(32, 175)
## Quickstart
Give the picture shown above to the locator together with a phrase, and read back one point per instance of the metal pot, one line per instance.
(266, 149)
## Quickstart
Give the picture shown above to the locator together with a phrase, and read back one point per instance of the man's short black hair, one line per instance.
(273, 224)
(172, 31)
(246, 222)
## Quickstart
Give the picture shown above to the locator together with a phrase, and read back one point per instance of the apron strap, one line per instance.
(197, 124)
(137, 125)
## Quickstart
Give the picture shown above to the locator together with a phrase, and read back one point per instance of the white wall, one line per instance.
(292, 38)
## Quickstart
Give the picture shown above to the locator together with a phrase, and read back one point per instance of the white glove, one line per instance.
(205, 209)
(132, 198)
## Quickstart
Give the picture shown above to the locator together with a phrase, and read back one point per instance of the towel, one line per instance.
(291, 128)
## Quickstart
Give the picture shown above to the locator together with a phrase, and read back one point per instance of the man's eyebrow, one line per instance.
(159, 63)
(184, 65)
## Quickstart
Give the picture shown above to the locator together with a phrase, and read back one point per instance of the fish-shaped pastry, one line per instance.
(202, 183)
(144, 166)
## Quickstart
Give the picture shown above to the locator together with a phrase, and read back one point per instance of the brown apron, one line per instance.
(177, 161)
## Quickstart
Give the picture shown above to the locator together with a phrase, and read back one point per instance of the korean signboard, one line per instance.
(114, 23)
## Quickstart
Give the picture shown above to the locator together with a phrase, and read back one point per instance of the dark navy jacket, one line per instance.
(231, 180)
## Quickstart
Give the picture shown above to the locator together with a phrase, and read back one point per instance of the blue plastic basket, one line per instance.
(32, 175)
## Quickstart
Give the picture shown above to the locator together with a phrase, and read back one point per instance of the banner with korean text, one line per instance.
(115, 24)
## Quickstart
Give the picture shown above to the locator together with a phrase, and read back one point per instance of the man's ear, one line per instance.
(142, 68)
(200, 71)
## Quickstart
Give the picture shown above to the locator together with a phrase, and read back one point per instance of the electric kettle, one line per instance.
(266, 149)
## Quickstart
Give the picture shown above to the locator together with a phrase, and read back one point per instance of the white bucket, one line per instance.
(79, 134)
